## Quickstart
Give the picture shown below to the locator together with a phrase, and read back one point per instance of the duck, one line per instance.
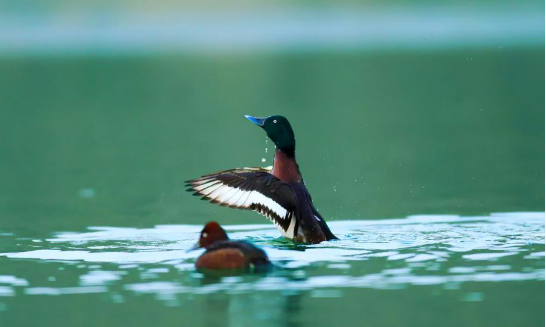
(221, 253)
(278, 192)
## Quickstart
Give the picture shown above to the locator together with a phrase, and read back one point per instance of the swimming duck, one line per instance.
(278, 193)
(221, 253)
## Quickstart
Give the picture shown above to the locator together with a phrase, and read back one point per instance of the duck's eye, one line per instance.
(204, 235)
(275, 121)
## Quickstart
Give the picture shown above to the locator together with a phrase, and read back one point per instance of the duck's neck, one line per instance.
(285, 167)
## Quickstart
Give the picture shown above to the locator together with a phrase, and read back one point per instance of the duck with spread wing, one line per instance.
(278, 193)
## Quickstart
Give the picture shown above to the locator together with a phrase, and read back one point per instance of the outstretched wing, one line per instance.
(252, 189)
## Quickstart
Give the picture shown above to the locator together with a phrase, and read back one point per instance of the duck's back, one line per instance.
(232, 255)
(311, 227)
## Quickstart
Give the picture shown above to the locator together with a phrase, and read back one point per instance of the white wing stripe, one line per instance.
(242, 199)
(236, 198)
(204, 186)
(259, 198)
(203, 181)
(208, 191)
(290, 231)
(226, 194)
(217, 192)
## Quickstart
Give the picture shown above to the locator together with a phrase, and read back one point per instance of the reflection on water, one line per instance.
(426, 250)
(418, 254)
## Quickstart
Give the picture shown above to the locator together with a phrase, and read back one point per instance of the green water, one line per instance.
(108, 141)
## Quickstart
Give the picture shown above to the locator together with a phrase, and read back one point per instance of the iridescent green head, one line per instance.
(278, 129)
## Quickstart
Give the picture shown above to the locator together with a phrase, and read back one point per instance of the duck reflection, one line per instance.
(244, 299)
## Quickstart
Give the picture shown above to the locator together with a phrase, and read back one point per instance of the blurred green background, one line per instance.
(399, 108)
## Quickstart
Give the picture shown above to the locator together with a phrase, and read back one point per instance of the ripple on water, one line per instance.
(393, 253)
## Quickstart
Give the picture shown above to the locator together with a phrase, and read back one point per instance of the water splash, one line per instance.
(392, 253)
(266, 143)
(480, 238)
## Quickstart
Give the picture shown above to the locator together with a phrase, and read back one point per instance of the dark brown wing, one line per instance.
(249, 188)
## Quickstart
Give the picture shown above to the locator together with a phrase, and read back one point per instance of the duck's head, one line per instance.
(278, 129)
(211, 233)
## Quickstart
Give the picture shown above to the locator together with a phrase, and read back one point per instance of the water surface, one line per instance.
(407, 149)
(426, 263)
